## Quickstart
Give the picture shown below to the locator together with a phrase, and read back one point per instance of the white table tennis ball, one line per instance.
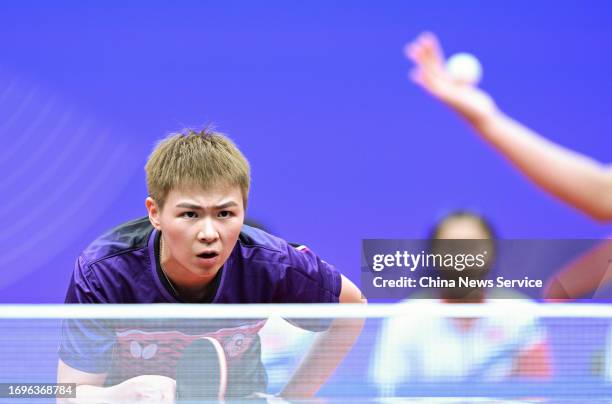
(465, 68)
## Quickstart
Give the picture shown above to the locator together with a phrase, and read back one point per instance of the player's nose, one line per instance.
(208, 232)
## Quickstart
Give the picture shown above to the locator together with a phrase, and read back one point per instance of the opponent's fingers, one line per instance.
(415, 49)
(414, 52)
(425, 53)
(410, 51)
(432, 54)
(432, 44)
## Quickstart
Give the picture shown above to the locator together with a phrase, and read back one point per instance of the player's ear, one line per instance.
(154, 212)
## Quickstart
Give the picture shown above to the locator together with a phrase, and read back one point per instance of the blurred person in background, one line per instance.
(419, 348)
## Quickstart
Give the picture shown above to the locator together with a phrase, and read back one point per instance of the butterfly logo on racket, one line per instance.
(146, 352)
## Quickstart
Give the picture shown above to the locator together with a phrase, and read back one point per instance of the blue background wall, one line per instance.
(343, 147)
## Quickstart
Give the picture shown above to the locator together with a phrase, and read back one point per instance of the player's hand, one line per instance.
(430, 73)
(146, 388)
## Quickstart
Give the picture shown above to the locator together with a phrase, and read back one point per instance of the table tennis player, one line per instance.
(194, 248)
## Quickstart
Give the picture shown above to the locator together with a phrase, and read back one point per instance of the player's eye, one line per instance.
(225, 214)
(189, 215)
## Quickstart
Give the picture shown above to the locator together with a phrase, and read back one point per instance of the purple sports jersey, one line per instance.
(122, 266)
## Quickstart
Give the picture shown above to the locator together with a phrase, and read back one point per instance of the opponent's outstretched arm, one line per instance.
(574, 178)
(585, 277)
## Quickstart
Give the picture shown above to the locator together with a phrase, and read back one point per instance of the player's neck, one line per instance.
(184, 285)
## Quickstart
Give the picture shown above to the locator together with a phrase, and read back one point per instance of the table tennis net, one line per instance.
(416, 349)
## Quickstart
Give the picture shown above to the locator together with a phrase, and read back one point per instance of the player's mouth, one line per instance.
(208, 255)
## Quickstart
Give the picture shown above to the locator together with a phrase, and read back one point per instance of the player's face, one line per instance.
(468, 228)
(462, 228)
(199, 231)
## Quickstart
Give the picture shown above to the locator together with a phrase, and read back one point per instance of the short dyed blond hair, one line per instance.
(196, 158)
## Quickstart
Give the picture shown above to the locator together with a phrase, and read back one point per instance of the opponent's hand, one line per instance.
(146, 388)
(430, 73)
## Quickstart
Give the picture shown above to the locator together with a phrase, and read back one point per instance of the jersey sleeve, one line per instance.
(86, 344)
(309, 279)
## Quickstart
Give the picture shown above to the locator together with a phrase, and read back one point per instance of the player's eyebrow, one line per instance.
(225, 205)
(187, 205)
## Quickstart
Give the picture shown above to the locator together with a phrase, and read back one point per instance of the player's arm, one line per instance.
(328, 349)
(152, 388)
(88, 384)
(86, 344)
(584, 276)
(574, 178)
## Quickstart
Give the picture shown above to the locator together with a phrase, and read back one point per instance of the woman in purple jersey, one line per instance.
(193, 247)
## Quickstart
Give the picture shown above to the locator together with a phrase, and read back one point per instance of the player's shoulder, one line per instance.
(256, 241)
(127, 238)
(259, 245)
